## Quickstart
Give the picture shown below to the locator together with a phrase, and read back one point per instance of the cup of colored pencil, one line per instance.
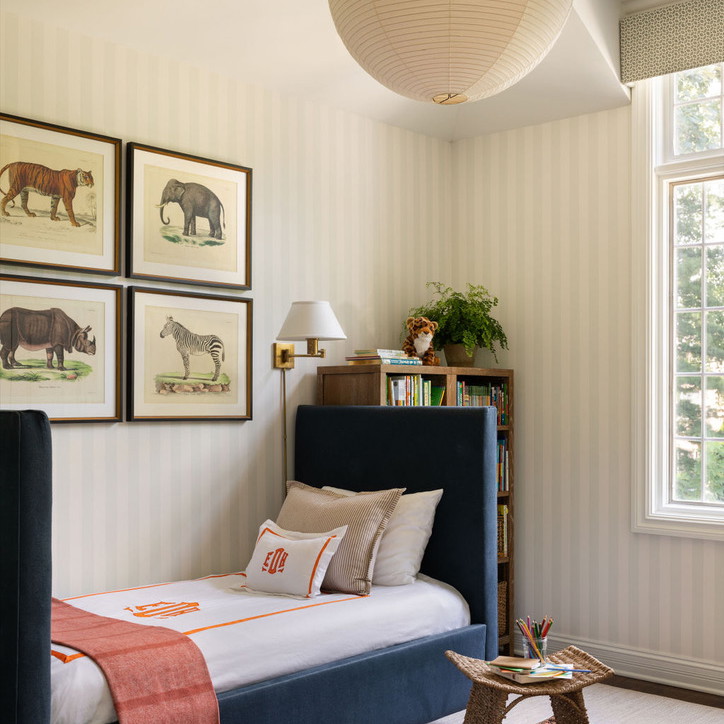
(535, 637)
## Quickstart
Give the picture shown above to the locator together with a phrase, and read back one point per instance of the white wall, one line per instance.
(344, 209)
(359, 213)
(543, 216)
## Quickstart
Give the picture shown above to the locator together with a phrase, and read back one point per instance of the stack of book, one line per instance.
(528, 671)
(381, 357)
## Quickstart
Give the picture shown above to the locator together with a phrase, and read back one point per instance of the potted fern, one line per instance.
(464, 322)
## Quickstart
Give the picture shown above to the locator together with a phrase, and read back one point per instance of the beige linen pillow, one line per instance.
(307, 509)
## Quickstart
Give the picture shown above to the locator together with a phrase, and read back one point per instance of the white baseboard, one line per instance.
(696, 674)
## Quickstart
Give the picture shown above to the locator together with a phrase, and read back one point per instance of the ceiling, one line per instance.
(291, 46)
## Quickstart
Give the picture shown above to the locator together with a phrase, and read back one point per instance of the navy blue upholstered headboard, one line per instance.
(25, 565)
(419, 448)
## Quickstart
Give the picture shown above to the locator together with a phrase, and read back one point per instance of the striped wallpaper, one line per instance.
(344, 209)
(542, 219)
(363, 214)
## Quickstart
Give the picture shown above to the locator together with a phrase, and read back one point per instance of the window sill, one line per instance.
(680, 525)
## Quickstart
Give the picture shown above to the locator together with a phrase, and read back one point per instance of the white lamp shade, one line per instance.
(449, 51)
(311, 320)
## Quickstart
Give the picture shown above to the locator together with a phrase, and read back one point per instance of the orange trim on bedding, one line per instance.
(316, 564)
(67, 658)
(151, 585)
(286, 537)
(273, 532)
(273, 613)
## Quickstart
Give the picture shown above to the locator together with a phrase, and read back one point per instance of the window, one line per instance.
(696, 110)
(697, 323)
(680, 473)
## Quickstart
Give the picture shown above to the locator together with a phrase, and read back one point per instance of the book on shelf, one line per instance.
(380, 352)
(503, 530)
(503, 466)
(383, 360)
(490, 394)
(437, 395)
(413, 391)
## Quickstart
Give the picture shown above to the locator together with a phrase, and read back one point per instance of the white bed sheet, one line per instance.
(247, 637)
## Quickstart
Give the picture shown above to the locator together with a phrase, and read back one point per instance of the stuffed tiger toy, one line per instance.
(27, 177)
(419, 340)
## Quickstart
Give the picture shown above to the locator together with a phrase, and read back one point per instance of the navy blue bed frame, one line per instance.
(361, 448)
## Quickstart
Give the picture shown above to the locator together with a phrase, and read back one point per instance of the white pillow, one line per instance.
(289, 563)
(405, 537)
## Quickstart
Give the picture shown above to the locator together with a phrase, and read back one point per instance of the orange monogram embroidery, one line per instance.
(274, 561)
(163, 609)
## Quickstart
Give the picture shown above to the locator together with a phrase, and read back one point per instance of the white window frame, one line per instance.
(652, 511)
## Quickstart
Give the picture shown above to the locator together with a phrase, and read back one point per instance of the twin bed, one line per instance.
(380, 672)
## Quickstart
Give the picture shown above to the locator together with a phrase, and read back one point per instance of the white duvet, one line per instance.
(248, 637)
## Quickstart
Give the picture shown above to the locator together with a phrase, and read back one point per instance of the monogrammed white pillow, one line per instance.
(289, 563)
(405, 538)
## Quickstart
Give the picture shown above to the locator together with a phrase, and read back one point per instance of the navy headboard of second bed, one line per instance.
(419, 448)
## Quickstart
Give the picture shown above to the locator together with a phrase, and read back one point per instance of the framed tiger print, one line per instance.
(189, 219)
(42, 165)
(189, 356)
(60, 348)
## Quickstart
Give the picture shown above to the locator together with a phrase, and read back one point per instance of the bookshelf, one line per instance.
(420, 385)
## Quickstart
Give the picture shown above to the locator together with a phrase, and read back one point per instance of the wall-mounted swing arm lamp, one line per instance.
(310, 321)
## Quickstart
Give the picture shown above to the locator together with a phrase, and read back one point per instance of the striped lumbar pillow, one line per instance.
(307, 509)
(403, 543)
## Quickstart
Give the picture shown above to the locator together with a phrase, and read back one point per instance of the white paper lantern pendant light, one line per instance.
(449, 51)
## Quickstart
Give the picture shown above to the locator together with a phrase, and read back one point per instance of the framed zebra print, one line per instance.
(189, 356)
(189, 218)
(42, 165)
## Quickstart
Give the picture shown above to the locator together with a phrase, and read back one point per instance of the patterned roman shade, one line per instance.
(672, 38)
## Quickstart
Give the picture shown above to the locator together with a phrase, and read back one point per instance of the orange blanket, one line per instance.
(155, 674)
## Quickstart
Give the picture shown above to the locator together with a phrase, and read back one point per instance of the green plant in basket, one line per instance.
(463, 318)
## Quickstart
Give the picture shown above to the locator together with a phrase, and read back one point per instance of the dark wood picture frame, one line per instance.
(189, 356)
(206, 237)
(44, 164)
(67, 336)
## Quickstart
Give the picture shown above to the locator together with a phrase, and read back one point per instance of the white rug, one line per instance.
(613, 705)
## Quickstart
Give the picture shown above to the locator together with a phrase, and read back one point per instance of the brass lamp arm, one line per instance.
(284, 353)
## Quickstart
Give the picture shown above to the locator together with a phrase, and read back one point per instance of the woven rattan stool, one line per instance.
(487, 703)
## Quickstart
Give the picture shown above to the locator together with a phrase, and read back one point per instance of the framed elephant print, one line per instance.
(189, 356)
(60, 348)
(189, 219)
(60, 197)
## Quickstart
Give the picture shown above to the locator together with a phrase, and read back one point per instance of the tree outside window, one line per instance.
(697, 110)
(698, 324)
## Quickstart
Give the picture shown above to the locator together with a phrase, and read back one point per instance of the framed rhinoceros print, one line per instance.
(60, 348)
(189, 219)
(189, 356)
(60, 195)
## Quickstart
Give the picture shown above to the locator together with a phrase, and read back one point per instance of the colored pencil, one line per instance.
(525, 630)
